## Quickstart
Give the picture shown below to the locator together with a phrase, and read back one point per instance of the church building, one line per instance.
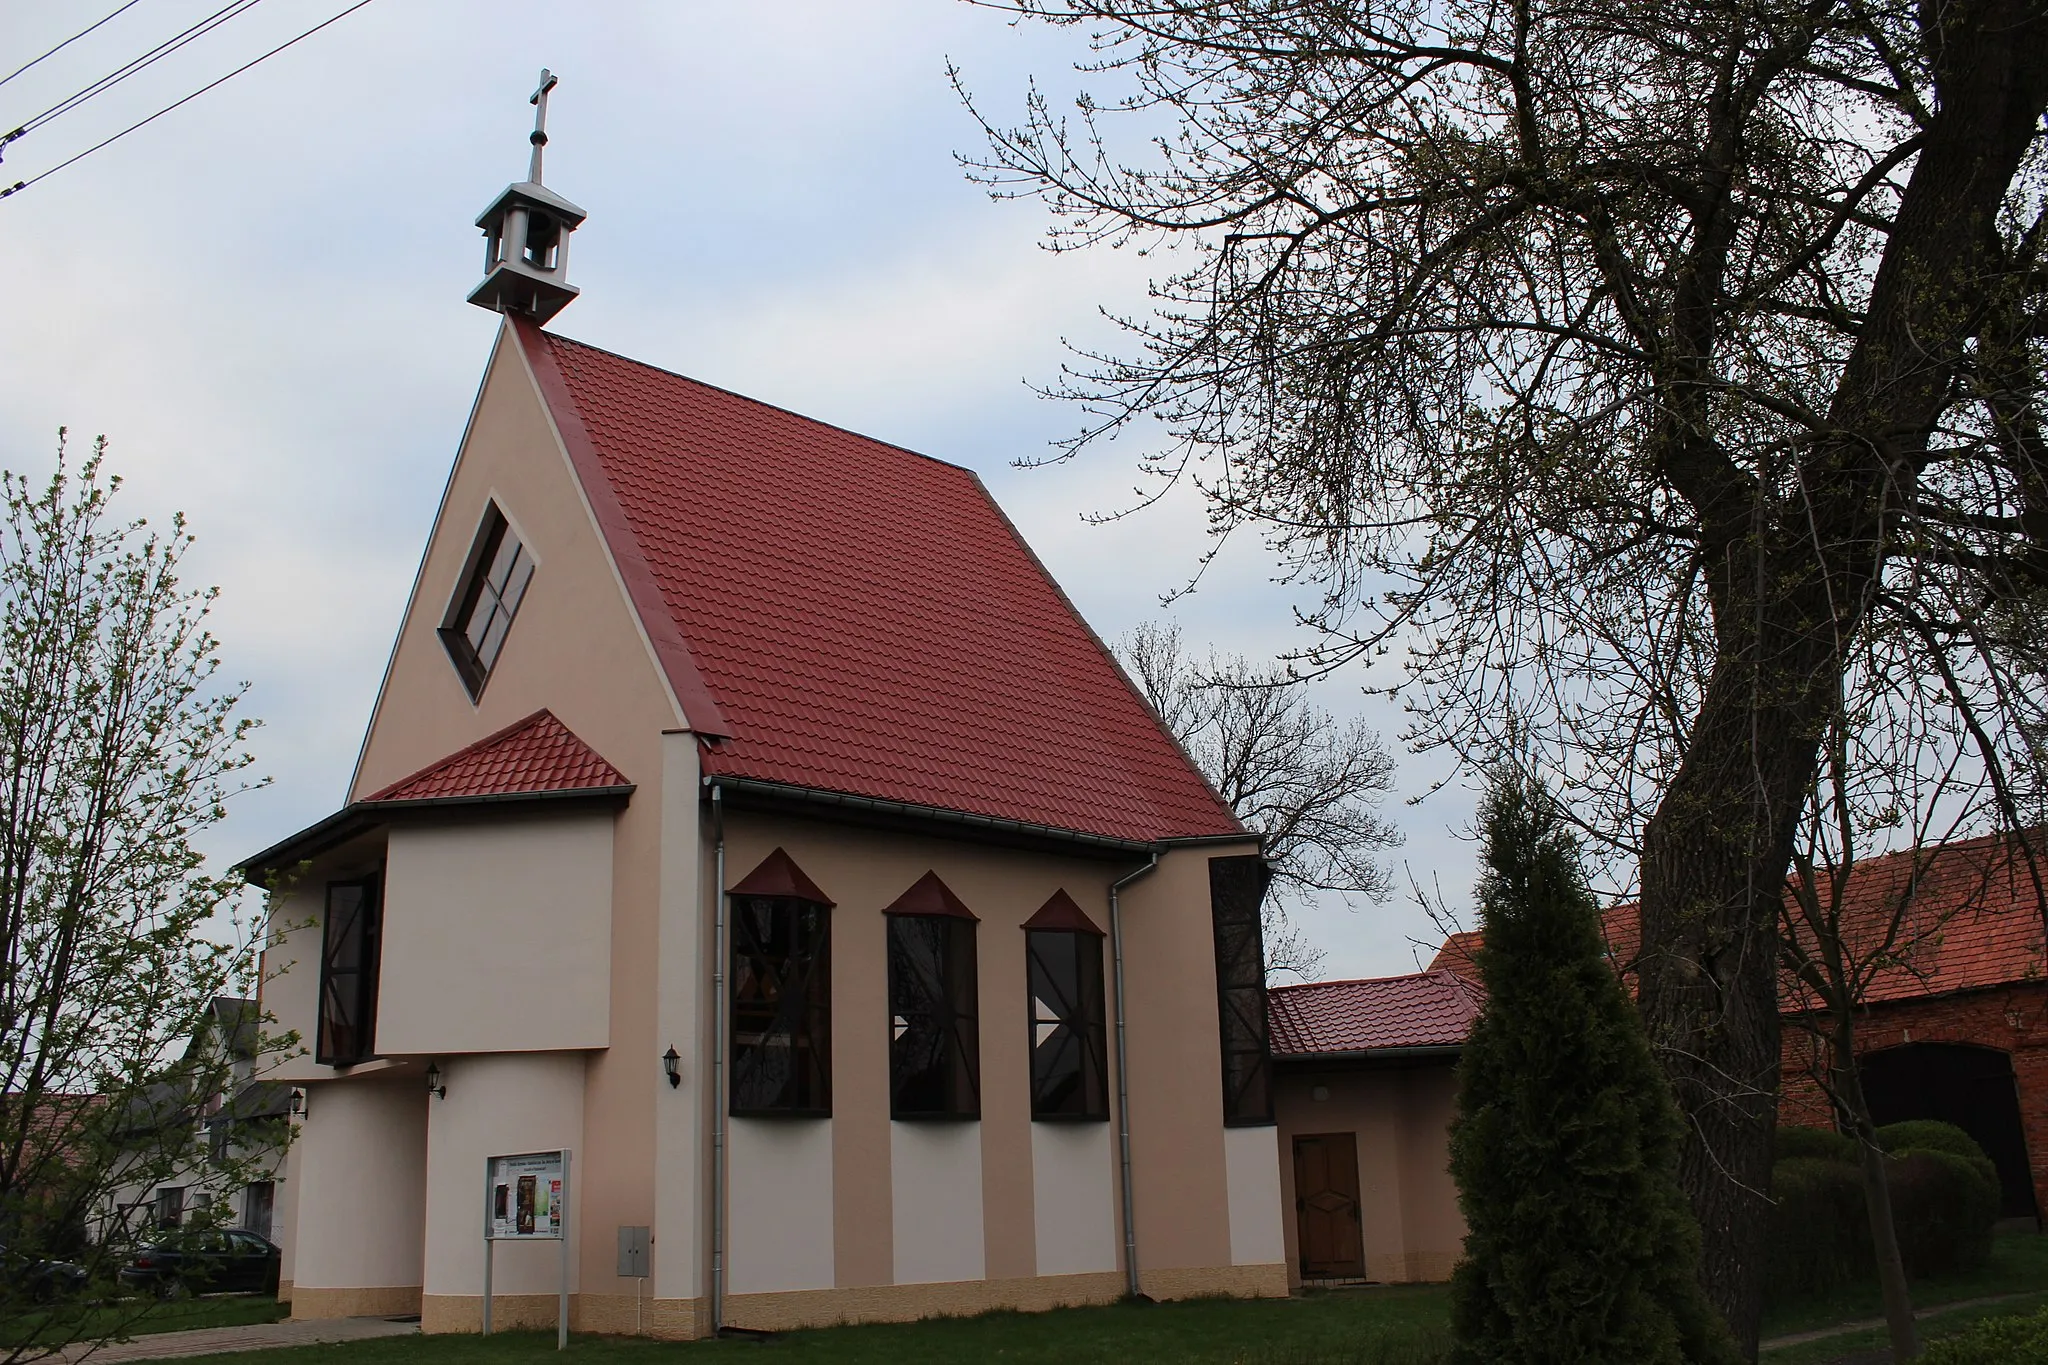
(747, 815)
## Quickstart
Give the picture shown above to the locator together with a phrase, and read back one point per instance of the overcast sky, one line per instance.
(259, 299)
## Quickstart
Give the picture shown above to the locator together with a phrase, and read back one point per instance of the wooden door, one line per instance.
(1326, 1207)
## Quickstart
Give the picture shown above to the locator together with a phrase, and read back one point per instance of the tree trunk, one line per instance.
(1877, 1190)
(1715, 858)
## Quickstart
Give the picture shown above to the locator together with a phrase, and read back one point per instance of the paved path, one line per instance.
(1869, 1324)
(202, 1341)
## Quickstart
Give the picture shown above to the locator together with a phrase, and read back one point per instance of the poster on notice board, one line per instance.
(525, 1198)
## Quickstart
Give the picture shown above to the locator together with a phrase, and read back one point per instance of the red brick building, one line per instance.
(1954, 1024)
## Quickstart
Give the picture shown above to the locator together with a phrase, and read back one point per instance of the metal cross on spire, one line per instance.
(548, 80)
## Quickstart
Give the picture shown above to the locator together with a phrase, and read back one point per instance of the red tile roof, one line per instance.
(1966, 918)
(854, 617)
(1427, 1009)
(530, 757)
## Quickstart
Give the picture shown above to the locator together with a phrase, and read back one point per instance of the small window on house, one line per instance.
(1237, 888)
(170, 1206)
(348, 972)
(1063, 979)
(781, 993)
(493, 584)
(259, 1202)
(934, 1029)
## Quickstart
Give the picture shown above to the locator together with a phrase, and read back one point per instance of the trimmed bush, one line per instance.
(1995, 1341)
(1820, 1229)
(1932, 1135)
(1944, 1211)
(1824, 1144)
(1580, 1248)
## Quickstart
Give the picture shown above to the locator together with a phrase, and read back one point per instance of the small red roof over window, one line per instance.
(840, 614)
(531, 757)
(1428, 1009)
(778, 875)
(930, 896)
(1060, 913)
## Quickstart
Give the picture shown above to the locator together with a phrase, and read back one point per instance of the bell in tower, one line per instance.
(526, 237)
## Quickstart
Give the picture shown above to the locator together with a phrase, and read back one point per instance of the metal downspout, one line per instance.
(720, 956)
(1123, 1080)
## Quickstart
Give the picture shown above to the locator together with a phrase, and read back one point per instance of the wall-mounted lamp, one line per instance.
(296, 1102)
(672, 1064)
(436, 1087)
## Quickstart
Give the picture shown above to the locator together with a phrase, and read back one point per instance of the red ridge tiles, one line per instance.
(778, 875)
(529, 757)
(930, 896)
(1427, 1009)
(857, 618)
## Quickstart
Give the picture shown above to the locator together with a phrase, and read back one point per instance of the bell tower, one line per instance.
(526, 236)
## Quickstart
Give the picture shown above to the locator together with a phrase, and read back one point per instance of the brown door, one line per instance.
(1326, 1206)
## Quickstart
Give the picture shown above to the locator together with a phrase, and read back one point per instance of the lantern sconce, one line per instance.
(672, 1065)
(296, 1102)
(436, 1086)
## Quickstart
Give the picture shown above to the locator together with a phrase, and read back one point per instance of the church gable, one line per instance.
(517, 606)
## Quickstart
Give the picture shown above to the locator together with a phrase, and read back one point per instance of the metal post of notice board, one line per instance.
(541, 1179)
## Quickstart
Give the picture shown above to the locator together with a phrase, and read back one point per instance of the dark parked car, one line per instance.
(205, 1260)
(38, 1279)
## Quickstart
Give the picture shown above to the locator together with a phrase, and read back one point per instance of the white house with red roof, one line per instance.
(746, 812)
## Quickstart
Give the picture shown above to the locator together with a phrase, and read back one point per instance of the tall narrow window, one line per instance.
(493, 584)
(348, 972)
(781, 993)
(1237, 887)
(1063, 971)
(934, 1028)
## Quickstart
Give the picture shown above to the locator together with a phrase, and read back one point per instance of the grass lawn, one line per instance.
(1383, 1326)
(1931, 1329)
(2019, 1263)
(140, 1316)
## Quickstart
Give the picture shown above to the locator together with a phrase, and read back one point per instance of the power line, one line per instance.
(148, 59)
(68, 41)
(21, 185)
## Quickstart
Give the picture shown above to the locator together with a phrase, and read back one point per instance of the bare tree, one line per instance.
(117, 750)
(1625, 366)
(1306, 783)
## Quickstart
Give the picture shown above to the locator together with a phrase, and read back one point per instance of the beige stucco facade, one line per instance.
(544, 956)
(1400, 1117)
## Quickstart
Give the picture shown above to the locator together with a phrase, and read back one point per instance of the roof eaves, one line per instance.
(700, 709)
(901, 812)
(360, 816)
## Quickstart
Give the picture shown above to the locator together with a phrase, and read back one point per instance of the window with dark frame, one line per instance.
(170, 1206)
(349, 961)
(781, 1006)
(1069, 1077)
(934, 1028)
(1237, 888)
(493, 584)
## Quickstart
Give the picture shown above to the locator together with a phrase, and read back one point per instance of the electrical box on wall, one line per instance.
(633, 1253)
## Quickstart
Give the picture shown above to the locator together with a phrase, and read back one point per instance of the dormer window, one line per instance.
(494, 583)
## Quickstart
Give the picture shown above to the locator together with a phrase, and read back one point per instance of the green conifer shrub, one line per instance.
(1944, 1212)
(1820, 1229)
(1825, 1144)
(1932, 1135)
(1579, 1249)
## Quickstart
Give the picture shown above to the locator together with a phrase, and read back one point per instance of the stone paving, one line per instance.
(201, 1341)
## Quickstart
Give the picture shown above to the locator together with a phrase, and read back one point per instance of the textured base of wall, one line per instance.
(284, 1292)
(964, 1298)
(1412, 1267)
(608, 1314)
(391, 1302)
